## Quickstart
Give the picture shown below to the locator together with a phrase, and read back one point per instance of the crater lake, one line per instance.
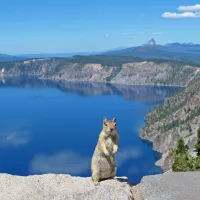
(53, 127)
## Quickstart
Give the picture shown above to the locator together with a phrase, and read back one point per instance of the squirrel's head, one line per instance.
(109, 126)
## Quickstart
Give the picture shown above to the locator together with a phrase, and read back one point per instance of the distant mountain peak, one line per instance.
(151, 42)
(188, 43)
(178, 44)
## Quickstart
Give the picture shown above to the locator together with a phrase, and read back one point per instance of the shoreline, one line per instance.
(160, 155)
(115, 83)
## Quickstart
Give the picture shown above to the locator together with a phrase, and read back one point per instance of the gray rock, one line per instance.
(61, 187)
(170, 186)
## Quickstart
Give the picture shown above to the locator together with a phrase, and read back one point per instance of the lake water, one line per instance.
(53, 127)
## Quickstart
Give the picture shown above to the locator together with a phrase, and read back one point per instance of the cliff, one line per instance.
(122, 70)
(178, 117)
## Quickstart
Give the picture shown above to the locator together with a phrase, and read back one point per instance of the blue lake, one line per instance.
(53, 127)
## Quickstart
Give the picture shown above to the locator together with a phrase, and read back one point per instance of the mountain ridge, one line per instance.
(6, 57)
(173, 51)
(151, 49)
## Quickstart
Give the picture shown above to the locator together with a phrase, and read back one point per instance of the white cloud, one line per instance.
(16, 138)
(134, 170)
(128, 153)
(157, 33)
(142, 33)
(193, 8)
(188, 12)
(129, 34)
(181, 15)
(68, 162)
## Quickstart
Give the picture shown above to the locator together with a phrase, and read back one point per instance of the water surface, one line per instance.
(53, 127)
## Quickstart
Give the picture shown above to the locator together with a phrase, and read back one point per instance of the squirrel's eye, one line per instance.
(105, 124)
(115, 125)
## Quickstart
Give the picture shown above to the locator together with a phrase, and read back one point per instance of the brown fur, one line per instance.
(103, 164)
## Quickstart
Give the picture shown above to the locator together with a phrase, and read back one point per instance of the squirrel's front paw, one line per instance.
(96, 183)
(115, 148)
(106, 153)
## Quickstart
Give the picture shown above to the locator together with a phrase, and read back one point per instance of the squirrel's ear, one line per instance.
(104, 119)
(114, 120)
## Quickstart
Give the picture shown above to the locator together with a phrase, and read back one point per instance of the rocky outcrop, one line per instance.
(62, 187)
(169, 186)
(150, 73)
(85, 72)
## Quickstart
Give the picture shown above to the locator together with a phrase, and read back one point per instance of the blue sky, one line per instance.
(60, 26)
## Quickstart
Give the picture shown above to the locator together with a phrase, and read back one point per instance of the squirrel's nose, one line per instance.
(111, 129)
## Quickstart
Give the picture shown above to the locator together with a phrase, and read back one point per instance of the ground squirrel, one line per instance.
(103, 161)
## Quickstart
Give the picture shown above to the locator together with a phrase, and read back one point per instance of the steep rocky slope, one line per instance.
(164, 73)
(179, 116)
(121, 70)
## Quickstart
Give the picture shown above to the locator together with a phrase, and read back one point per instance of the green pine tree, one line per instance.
(182, 160)
(183, 163)
(197, 146)
(181, 147)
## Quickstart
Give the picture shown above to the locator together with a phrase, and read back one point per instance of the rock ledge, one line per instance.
(169, 186)
(61, 187)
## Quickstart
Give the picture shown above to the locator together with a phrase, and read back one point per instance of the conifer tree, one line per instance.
(182, 160)
(197, 146)
(181, 147)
